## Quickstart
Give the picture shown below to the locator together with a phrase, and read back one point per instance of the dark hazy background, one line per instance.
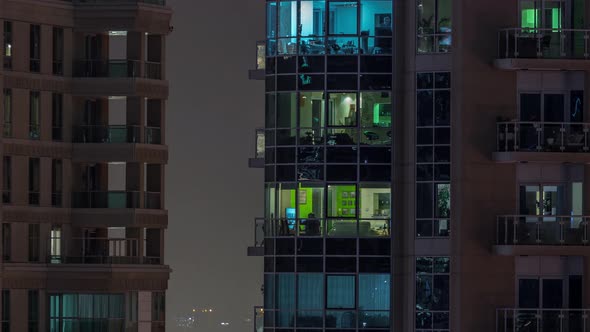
(211, 195)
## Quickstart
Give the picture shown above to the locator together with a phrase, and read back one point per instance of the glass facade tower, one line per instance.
(328, 165)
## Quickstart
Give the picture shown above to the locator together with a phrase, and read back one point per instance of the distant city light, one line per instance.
(224, 323)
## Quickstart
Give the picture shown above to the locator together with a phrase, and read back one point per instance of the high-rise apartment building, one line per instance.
(426, 166)
(83, 155)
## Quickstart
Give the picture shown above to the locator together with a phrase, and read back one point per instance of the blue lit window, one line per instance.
(340, 292)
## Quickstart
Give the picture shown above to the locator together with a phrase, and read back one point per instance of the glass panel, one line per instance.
(271, 20)
(287, 18)
(342, 201)
(286, 207)
(375, 109)
(443, 200)
(310, 291)
(554, 107)
(287, 110)
(285, 292)
(375, 203)
(312, 17)
(341, 319)
(311, 208)
(311, 110)
(528, 293)
(340, 292)
(342, 18)
(342, 109)
(374, 292)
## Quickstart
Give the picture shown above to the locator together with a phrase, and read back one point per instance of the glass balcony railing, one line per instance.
(107, 68)
(542, 320)
(330, 227)
(542, 230)
(98, 251)
(544, 43)
(105, 200)
(106, 134)
(153, 135)
(260, 55)
(543, 136)
(153, 200)
(153, 70)
(258, 319)
(260, 144)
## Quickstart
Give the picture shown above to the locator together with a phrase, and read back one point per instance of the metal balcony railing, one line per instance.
(542, 320)
(105, 200)
(106, 134)
(543, 136)
(542, 230)
(336, 227)
(544, 43)
(107, 68)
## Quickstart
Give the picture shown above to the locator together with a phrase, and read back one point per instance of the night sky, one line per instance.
(211, 195)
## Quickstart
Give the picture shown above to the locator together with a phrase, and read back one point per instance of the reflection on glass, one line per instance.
(311, 110)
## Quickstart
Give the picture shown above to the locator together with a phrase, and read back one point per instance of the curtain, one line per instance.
(310, 291)
(374, 292)
(285, 301)
(340, 293)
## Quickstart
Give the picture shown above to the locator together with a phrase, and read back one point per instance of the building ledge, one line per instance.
(540, 250)
(120, 86)
(541, 156)
(541, 64)
(255, 251)
(257, 74)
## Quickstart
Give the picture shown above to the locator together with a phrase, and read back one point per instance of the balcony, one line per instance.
(100, 251)
(542, 320)
(107, 68)
(259, 72)
(258, 248)
(107, 134)
(543, 49)
(332, 227)
(106, 200)
(541, 235)
(520, 141)
(258, 160)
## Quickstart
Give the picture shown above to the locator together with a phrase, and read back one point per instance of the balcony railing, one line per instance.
(542, 320)
(542, 230)
(105, 200)
(543, 136)
(260, 143)
(99, 251)
(153, 135)
(260, 55)
(107, 134)
(153, 200)
(544, 43)
(107, 68)
(153, 70)
(330, 227)
(258, 319)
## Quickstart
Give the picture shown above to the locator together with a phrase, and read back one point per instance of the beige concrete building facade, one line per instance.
(83, 147)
